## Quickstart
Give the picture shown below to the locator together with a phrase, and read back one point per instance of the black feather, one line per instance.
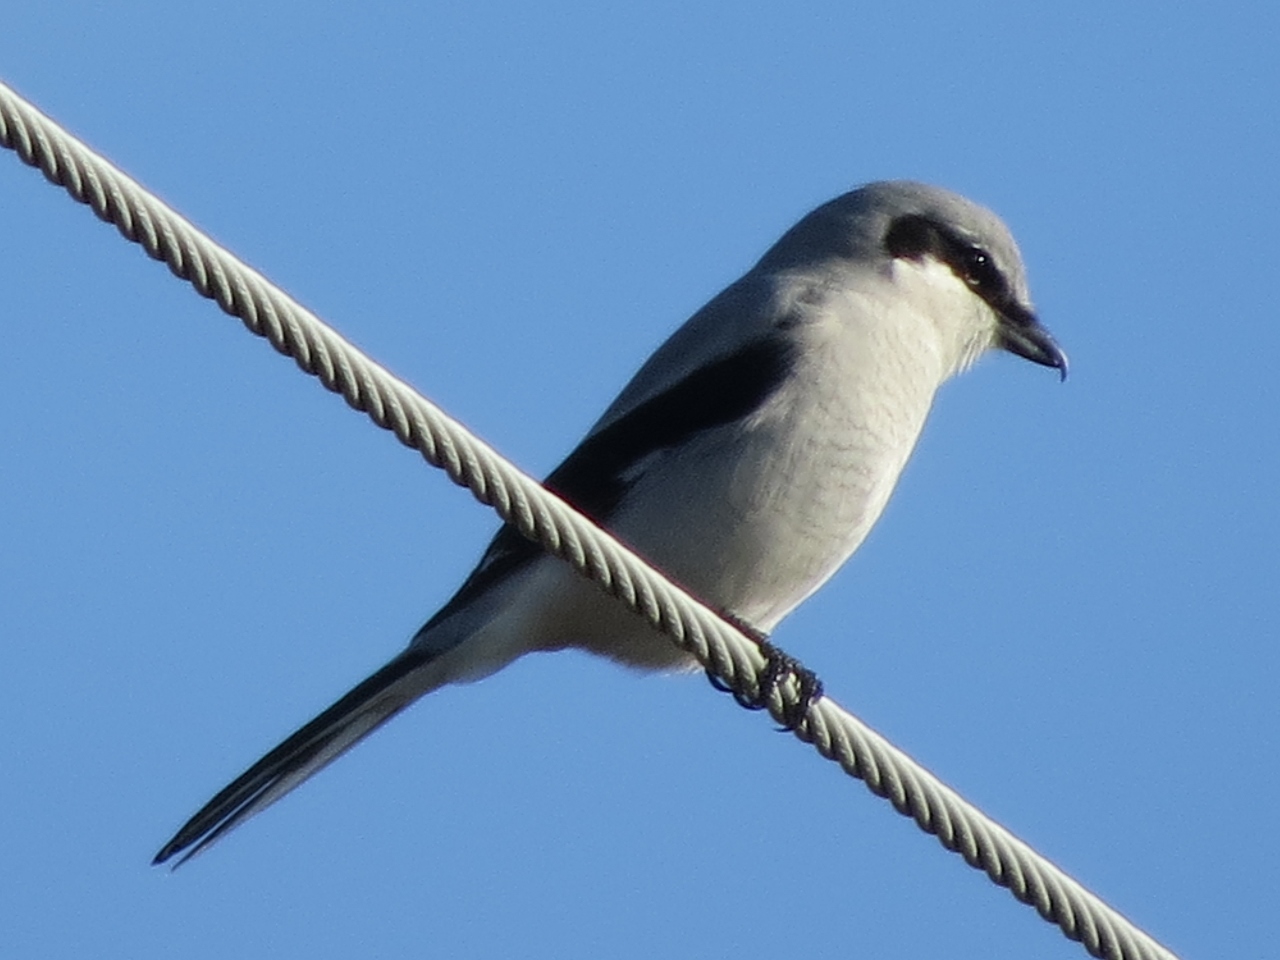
(595, 476)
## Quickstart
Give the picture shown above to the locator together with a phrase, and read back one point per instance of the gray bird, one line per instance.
(748, 458)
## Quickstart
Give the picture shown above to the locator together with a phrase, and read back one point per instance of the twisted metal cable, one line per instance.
(521, 501)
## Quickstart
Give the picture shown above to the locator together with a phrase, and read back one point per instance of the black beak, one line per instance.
(1020, 332)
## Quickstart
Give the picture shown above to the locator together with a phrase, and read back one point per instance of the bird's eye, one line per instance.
(913, 237)
(980, 272)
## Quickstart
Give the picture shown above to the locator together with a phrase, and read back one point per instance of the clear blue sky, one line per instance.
(1069, 611)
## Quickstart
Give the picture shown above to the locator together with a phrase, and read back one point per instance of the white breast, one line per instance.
(754, 517)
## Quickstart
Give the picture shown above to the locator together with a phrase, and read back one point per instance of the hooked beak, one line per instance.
(1021, 333)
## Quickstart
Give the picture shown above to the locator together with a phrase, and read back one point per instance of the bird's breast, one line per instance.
(754, 516)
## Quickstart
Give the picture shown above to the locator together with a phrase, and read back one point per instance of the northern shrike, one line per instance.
(748, 458)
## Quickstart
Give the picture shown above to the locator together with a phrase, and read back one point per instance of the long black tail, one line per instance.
(365, 708)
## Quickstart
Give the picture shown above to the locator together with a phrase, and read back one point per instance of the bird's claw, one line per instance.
(778, 666)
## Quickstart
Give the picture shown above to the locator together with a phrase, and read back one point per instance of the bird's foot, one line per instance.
(777, 668)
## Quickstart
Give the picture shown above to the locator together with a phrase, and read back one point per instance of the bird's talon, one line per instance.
(777, 667)
(744, 700)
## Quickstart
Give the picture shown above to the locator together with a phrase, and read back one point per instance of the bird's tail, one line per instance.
(366, 707)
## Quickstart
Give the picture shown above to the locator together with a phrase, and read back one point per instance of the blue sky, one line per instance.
(1069, 611)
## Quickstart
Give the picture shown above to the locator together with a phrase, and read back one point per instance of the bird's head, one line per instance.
(955, 259)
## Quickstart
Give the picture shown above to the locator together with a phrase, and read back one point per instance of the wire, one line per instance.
(728, 655)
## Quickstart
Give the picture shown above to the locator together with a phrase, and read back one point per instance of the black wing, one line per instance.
(595, 476)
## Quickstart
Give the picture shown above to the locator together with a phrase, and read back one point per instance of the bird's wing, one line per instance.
(595, 476)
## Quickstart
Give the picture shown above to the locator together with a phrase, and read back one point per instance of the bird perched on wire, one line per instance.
(748, 458)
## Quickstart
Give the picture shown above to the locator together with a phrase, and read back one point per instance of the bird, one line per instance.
(748, 458)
